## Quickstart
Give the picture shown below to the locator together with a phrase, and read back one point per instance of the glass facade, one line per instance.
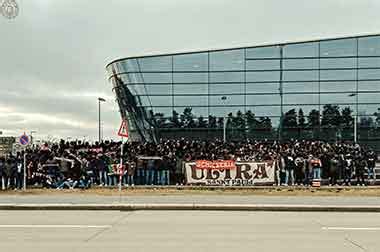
(309, 90)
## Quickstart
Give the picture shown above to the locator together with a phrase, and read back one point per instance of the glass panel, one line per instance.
(227, 60)
(300, 75)
(158, 89)
(301, 64)
(263, 99)
(301, 99)
(369, 86)
(337, 98)
(263, 76)
(368, 109)
(300, 87)
(345, 86)
(161, 100)
(133, 77)
(161, 63)
(191, 89)
(255, 88)
(369, 46)
(230, 100)
(156, 77)
(368, 98)
(338, 74)
(338, 63)
(369, 62)
(224, 111)
(227, 77)
(190, 77)
(196, 111)
(230, 88)
(263, 65)
(306, 109)
(123, 78)
(129, 65)
(137, 89)
(369, 74)
(301, 50)
(191, 62)
(263, 52)
(190, 100)
(167, 111)
(265, 110)
(144, 100)
(340, 47)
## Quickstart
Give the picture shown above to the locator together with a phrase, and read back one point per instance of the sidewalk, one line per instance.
(202, 201)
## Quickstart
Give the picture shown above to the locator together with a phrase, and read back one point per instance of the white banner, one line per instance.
(245, 174)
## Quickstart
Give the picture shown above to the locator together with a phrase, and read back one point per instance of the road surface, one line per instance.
(187, 231)
(189, 199)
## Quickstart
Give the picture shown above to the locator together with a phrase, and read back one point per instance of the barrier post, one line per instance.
(24, 181)
(121, 170)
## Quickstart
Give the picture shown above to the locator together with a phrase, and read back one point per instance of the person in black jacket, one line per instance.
(360, 166)
(289, 169)
(348, 169)
(2, 178)
(371, 162)
(333, 170)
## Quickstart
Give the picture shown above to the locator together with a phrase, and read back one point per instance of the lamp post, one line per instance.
(355, 121)
(99, 126)
(31, 136)
(224, 98)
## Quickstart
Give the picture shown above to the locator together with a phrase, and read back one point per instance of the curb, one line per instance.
(189, 207)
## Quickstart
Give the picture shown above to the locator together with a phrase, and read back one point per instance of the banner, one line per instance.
(217, 164)
(245, 174)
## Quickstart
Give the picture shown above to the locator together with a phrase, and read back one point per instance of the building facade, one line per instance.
(309, 90)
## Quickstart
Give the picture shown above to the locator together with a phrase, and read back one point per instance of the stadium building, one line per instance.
(318, 89)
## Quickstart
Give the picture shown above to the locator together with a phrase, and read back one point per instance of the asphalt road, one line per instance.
(188, 231)
(189, 199)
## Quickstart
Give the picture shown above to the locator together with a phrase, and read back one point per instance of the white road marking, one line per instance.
(353, 228)
(55, 226)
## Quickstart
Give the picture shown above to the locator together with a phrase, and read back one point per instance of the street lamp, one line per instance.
(355, 121)
(99, 101)
(224, 98)
(31, 136)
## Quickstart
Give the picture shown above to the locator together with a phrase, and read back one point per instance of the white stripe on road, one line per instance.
(55, 226)
(353, 228)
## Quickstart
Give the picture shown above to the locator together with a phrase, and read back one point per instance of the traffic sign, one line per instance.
(123, 130)
(24, 140)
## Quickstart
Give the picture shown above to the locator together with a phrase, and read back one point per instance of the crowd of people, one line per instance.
(80, 165)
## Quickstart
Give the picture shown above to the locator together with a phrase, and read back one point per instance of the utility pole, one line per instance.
(99, 117)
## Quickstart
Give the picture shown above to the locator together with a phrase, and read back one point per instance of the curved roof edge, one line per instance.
(250, 46)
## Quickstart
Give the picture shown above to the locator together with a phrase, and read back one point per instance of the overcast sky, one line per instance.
(53, 55)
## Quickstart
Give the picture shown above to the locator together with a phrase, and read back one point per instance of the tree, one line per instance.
(366, 122)
(252, 123)
(159, 120)
(239, 121)
(187, 118)
(230, 120)
(220, 122)
(202, 123)
(331, 116)
(266, 123)
(377, 114)
(211, 121)
(290, 119)
(347, 119)
(301, 119)
(313, 118)
(175, 120)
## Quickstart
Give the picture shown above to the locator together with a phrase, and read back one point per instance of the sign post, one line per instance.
(24, 141)
(123, 132)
